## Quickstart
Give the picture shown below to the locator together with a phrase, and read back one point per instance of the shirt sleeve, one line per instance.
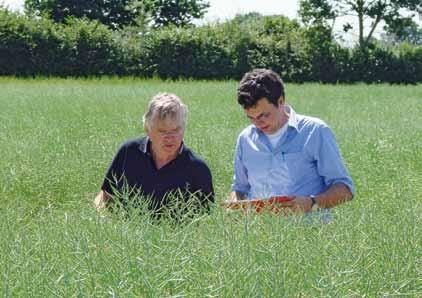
(240, 177)
(330, 164)
(113, 180)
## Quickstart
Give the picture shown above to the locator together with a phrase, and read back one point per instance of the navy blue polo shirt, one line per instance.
(133, 169)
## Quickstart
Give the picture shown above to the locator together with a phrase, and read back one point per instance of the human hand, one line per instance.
(102, 201)
(299, 204)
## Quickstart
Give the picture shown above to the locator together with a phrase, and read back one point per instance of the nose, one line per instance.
(170, 136)
(258, 122)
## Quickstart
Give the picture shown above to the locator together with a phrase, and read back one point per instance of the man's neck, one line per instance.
(285, 115)
(161, 159)
(284, 118)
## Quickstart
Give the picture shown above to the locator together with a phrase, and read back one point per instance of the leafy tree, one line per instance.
(405, 30)
(115, 14)
(119, 13)
(175, 12)
(316, 12)
(389, 11)
(247, 18)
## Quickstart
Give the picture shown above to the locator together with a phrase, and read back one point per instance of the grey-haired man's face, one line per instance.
(166, 135)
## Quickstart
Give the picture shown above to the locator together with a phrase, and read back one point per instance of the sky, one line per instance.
(224, 9)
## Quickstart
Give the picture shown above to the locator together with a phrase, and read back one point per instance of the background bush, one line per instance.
(41, 47)
(38, 46)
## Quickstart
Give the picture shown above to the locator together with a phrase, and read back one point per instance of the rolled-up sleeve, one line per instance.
(330, 164)
(240, 177)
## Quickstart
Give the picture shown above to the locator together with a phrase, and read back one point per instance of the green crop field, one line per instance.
(57, 138)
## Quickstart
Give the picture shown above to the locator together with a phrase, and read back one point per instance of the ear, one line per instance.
(281, 100)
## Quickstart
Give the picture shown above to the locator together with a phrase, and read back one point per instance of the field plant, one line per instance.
(57, 138)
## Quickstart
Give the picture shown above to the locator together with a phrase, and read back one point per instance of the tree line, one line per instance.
(157, 38)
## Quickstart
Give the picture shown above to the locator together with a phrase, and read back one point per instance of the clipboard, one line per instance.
(272, 204)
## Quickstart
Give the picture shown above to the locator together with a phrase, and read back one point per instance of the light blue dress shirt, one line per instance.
(306, 160)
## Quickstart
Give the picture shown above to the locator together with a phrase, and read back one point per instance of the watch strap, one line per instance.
(314, 205)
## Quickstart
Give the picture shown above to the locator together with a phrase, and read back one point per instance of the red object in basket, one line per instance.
(273, 204)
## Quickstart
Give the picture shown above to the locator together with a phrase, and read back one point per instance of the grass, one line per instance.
(57, 138)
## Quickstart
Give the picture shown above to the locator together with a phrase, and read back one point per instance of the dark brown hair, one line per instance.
(257, 84)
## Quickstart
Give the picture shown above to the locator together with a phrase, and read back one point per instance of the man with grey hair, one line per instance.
(158, 166)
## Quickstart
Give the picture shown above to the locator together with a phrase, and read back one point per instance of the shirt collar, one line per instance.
(293, 121)
(144, 145)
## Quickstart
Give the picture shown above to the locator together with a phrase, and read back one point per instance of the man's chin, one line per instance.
(170, 148)
(266, 130)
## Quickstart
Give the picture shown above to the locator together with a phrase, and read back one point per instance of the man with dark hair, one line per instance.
(284, 153)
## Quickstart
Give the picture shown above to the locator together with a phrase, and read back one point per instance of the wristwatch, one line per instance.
(314, 205)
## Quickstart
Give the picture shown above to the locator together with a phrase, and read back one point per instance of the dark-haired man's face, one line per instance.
(267, 117)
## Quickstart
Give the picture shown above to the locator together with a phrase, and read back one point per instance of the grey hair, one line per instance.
(164, 106)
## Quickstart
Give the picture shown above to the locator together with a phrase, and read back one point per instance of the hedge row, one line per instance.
(31, 47)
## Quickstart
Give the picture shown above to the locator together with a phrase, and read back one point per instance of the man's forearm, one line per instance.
(335, 195)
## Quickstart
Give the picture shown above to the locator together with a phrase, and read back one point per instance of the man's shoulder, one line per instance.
(310, 122)
(248, 131)
(194, 159)
(133, 146)
(314, 128)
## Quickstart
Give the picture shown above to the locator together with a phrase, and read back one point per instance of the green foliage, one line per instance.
(410, 60)
(189, 53)
(41, 47)
(58, 137)
(321, 52)
(27, 46)
(316, 12)
(119, 13)
(226, 50)
(320, 12)
(88, 48)
(178, 13)
(115, 14)
(30, 47)
(375, 64)
(405, 30)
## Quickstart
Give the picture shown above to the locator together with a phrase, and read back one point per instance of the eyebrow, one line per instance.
(257, 117)
(170, 130)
